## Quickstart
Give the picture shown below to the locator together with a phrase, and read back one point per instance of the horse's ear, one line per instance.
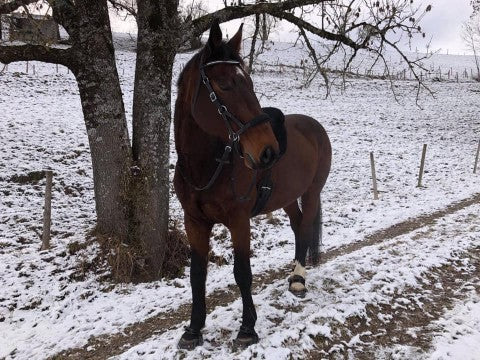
(215, 37)
(236, 41)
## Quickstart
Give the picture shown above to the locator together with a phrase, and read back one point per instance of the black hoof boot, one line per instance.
(246, 337)
(190, 339)
(297, 286)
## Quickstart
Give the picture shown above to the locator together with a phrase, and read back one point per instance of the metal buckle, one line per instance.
(213, 97)
(222, 109)
(234, 137)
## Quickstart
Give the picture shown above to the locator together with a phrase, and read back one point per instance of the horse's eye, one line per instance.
(224, 86)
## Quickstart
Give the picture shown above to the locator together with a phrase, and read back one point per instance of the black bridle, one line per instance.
(228, 117)
(230, 121)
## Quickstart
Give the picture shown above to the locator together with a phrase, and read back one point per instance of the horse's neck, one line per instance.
(196, 149)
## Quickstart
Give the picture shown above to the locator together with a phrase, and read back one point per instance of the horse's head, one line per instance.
(225, 104)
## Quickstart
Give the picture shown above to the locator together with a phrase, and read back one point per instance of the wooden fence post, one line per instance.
(476, 158)
(422, 165)
(47, 212)
(374, 177)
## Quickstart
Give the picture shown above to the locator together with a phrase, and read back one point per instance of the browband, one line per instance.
(233, 62)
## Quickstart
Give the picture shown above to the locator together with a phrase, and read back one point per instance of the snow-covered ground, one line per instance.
(460, 338)
(437, 65)
(46, 305)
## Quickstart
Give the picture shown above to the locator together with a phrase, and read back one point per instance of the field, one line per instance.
(400, 276)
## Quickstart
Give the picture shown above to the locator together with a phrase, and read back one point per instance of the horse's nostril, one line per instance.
(268, 156)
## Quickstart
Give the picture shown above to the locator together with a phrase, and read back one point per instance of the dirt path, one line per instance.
(105, 346)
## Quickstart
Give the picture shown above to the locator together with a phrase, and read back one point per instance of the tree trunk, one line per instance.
(477, 62)
(104, 113)
(252, 45)
(264, 31)
(157, 44)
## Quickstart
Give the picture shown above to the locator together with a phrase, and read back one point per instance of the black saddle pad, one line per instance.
(278, 127)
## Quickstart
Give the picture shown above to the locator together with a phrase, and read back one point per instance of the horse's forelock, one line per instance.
(223, 53)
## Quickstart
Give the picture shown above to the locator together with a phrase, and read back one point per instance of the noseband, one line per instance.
(230, 120)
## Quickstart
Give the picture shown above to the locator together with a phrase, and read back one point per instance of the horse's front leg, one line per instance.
(198, 233)
(240, 231)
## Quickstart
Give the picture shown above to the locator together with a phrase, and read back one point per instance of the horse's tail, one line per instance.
(314, 248)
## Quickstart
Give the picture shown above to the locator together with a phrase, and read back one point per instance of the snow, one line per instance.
(325, 305)
(461, 332)
(43, 310)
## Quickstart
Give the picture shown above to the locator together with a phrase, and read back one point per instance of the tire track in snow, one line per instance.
(104, 346)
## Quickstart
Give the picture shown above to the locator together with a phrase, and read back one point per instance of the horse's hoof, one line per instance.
(297, 286)
(245, 338)
(190, 339)
(299, 293)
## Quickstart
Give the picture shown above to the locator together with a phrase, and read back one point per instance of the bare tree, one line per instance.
(251, 54)
(131, 181)
(263, 26)
(471, 37)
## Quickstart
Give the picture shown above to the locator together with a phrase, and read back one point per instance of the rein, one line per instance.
(233, 136)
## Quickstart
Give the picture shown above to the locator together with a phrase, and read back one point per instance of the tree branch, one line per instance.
(11, 6)
(317, 31)
(9, 52)
(252, 45)
(277, 9)
(314, 57)
(122, 6)
(203, 23)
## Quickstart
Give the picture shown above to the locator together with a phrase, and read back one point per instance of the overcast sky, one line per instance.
(443, 24)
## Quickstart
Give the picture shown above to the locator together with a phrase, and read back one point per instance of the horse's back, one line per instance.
(303, 129)
(306, 161)
(307, 125)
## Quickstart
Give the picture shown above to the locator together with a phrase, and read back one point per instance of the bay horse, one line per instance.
(229, 169)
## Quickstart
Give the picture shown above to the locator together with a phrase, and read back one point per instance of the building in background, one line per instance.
(36, 29)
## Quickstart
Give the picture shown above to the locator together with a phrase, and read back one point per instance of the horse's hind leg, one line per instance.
(295, 216)
(305, 231)
(240, 231)
(198, 233)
